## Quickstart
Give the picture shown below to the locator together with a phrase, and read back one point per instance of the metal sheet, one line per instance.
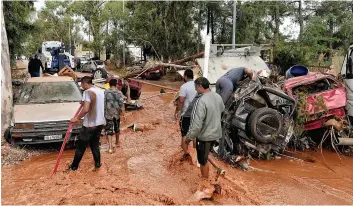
(215, 70)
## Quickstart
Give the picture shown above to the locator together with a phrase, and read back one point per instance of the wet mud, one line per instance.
(146, 169)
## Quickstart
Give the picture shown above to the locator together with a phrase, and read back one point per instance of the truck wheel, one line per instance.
(7, 135)
(265, 124)
(100, 73)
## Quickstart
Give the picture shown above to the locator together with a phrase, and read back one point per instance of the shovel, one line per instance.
(67, 135)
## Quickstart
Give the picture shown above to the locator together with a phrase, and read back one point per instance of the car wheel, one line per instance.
(265, 124)
(99, 74)
(7, 135)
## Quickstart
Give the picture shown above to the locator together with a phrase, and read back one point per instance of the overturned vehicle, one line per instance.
(258, 123)
(259, 120)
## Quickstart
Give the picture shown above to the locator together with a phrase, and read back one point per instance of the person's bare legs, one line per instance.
(204, 171)
(184, 146)
(110, 143)
(117, 136)
(212, 160)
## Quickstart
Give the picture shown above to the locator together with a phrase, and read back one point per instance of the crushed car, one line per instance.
(259, 120)
(43, 109)
(321, 101)
(258, 123)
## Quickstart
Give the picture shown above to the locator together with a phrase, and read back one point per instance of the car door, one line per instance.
(347, 75)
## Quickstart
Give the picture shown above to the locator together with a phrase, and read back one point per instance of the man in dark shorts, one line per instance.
(206, 124)
(114, 102)
(186, 95)
(93, 122)
(227, 83)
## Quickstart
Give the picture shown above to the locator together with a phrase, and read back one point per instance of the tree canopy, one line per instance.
(174, 29)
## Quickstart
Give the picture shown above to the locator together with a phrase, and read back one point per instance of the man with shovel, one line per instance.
(93, 122)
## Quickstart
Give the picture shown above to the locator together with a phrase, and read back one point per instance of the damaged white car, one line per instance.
(43, 110)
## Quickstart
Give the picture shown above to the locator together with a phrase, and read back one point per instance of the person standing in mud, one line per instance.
(227, 83)
(186, 95)
(93, 122)
(34, 66)
(205, 125)
(114, 102)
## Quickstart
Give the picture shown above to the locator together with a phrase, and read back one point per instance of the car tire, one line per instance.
(265, 124)
(100, 73)
(7, 135)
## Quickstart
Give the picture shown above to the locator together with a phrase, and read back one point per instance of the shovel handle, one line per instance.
(68, 131)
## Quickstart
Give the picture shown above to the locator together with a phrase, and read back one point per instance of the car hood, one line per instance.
(45, 112)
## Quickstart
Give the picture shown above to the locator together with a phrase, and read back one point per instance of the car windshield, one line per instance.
(49, 92)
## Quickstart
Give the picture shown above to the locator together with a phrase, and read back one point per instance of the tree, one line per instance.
(18, 25)
(6, 82)
(167, 26)
(92, 12)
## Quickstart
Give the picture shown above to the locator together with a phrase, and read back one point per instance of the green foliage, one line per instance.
(168, 26)
(17, 23)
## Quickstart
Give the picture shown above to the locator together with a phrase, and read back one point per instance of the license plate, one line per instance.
(52, 137)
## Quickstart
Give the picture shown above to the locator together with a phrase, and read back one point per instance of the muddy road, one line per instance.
(146, 170)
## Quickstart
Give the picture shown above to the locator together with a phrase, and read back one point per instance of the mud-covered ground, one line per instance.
(146, 170)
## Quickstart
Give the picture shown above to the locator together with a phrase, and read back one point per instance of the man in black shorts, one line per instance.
(184, 107)
(206, 124)
(114, 102)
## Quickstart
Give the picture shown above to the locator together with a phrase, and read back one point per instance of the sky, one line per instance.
(288, 28)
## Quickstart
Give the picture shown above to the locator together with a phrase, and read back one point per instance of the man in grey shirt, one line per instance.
(206, 124)
(228, 82)
(186, 95)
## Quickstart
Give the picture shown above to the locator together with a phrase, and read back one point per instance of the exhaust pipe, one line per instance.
(345, 141)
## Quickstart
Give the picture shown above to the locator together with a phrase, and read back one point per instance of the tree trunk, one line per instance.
(208, 19)
(199, 29)
(301, 21)
(277, 23)
(6, 82)
(212, 26)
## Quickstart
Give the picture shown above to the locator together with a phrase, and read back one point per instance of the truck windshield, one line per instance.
(49, 92)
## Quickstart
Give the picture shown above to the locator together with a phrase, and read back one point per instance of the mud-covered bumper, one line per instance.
(44, 134)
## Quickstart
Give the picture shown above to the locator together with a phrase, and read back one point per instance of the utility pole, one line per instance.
(70, 36)
(123, 36)
(234, 21)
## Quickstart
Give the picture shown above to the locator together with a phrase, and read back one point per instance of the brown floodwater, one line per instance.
(146, 170)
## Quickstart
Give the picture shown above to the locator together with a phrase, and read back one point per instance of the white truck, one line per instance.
(347, 75)
(45, 53)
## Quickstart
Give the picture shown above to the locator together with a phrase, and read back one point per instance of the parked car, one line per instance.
(98, 71)
(43, 110)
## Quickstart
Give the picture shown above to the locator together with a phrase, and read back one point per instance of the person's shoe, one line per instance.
(69, 167)
(110, 151)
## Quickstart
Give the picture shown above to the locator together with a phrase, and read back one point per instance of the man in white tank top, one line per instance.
(93, 122)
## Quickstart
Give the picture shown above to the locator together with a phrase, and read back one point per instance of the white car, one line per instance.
(43, 110)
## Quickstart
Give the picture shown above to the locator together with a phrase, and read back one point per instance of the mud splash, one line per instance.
(146, 169)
